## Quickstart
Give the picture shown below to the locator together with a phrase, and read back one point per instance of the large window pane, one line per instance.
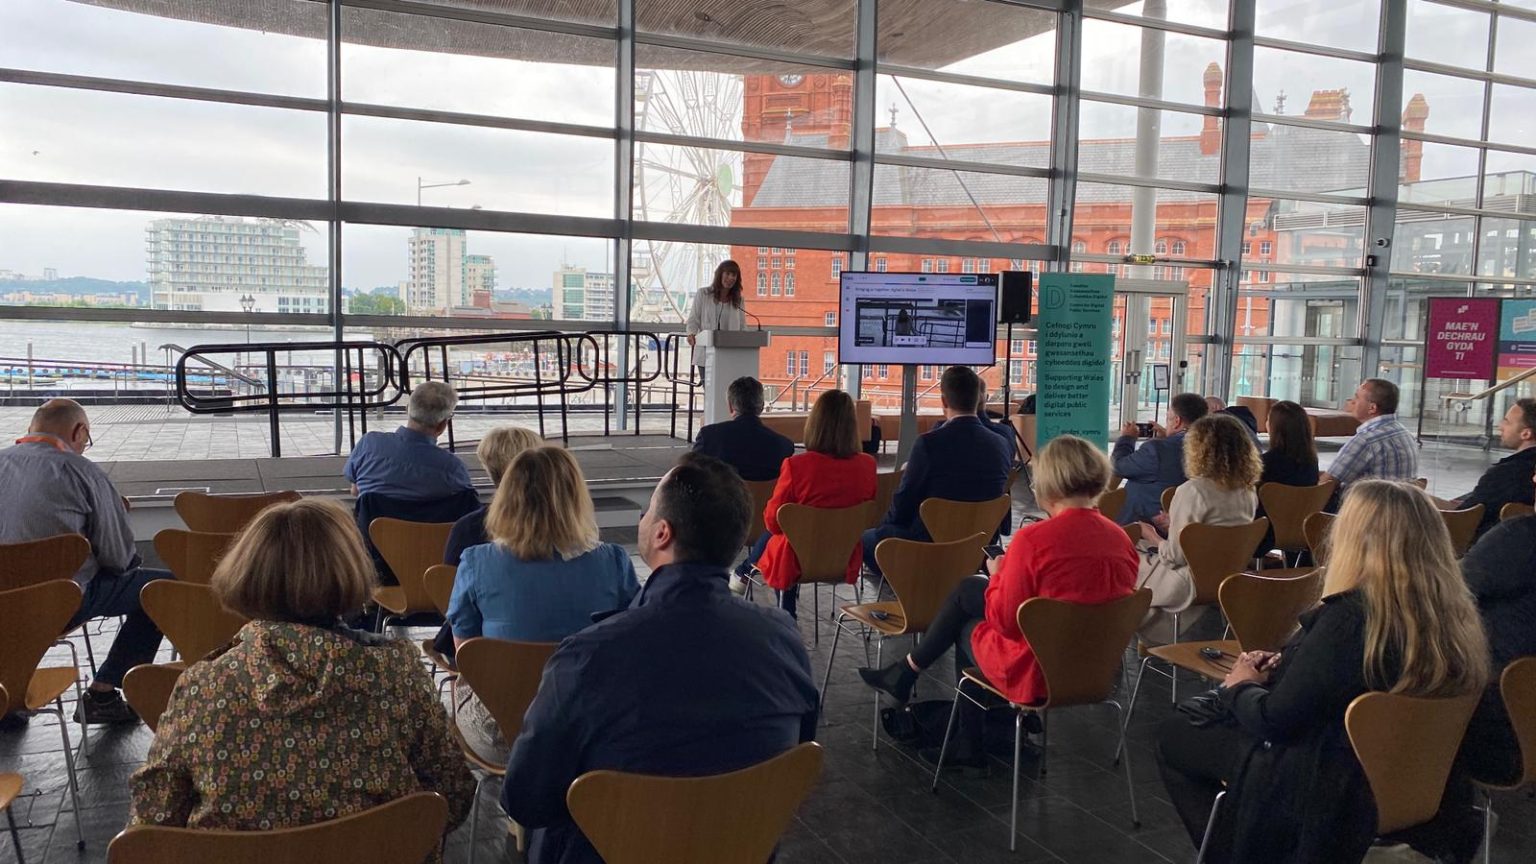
(397, 161)
(1350, 24)
(1510, 119)
(990, 40)
(824, 28)
(1316, 376)
(1437, 174)
(1303, 159)
(1508, 249)
(1189, 148)
(1112, 55)
(1201, 13)
(1321, 235)
(706, 186)
(78, 136)
(1447, 34)
(1276, 304)
(1508, 181)
(418, 61)
(1429, 242)
(939, 119)
(1334, 89)
(264, 46)
(958, 205)
(1179, 217)
(1450, 105)
(1512, 55)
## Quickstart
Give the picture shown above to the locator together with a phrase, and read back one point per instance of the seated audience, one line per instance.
(1507, 481)
(1156, 465)
(962, 461)
(1291, 459)
(997, 426)
(1382, 448)
(689, 681)
(407, 464)
(1242, 413)
(496, 451)
(833, 472)
(1222, 466)
(541, 577)
(51, 488)
(1396, 617)
(299, 720)
(743, 442)
(1500, 568)
(1075, 555)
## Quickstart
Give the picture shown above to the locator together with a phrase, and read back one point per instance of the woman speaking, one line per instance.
(717, 306)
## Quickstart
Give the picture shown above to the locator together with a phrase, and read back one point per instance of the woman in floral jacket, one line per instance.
(299, 719)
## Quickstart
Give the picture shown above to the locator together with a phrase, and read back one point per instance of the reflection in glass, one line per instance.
(1447, 34)
(1190, 148)
(1429, 242)
(1349, 24)
(939, 119)
(1303, 159)
(1315, 376)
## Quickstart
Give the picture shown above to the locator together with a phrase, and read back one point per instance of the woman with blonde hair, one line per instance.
(299, 719)
(543, 575)
(1223, 468)
(1397, 617)
(833, 472)
(496, 451)
(1075, 554)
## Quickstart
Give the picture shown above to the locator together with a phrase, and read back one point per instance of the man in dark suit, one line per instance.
(743, 442)
(724, 683)
(1159, 463)
(961, 460)
(1507, 481)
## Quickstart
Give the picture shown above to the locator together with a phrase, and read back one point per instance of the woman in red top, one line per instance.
(1075, 555)
(833, 472)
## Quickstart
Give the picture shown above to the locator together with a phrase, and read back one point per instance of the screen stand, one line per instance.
(908, 435)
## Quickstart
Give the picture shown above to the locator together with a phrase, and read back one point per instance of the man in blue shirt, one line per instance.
(743, 442)
(1158, 464)
(689, 681)
(407, 464)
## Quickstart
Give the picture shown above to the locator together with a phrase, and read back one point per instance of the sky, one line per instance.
(79, 136)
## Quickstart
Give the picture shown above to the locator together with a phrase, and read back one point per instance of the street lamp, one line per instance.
(420, 186)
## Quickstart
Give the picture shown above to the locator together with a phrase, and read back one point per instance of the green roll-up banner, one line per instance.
(1073, 369)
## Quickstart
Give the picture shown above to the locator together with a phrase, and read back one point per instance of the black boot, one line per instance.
(895, 680)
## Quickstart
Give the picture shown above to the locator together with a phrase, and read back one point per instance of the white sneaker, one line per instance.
(738, 585)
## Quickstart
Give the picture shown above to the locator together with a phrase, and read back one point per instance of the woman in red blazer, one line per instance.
(833, 472)
(1075, 555)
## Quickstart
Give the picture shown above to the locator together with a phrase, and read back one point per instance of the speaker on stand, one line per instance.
(1014, 286)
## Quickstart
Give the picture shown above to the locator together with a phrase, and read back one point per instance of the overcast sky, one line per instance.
(112, 139)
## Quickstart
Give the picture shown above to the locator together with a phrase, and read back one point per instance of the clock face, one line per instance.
(791, 80)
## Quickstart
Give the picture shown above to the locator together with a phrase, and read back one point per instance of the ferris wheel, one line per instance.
(683, 184)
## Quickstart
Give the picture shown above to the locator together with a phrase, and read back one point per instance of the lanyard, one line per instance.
(44, 439)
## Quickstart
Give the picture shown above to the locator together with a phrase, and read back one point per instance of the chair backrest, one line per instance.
(1288, 507)
(1463, 526)
(1406, 746)
(1215, 552)
(923, 575)
(404, 831)
(823, 538)
(1514, 510)
(438, 583)
(1421, 482)
(1079, 646)
(225, 514)
(1026, 428)
(191, 556)
(190, 616)
(31, 619)
(1316, 529)
(147, 688)
(885, 490)
(410, 548)
(1518, 687)
(761, 491)
(372, 505)
(1263, 609)
(948, 520)
(505, 676)
(56, 557)
(734, 818)
(1166, 499)
(1112, 502)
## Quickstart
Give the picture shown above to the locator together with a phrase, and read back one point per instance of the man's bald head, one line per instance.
(61, 417)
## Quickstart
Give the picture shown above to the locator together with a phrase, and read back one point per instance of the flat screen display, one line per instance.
(941, 319)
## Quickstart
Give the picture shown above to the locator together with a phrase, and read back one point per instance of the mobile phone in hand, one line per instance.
(1146, 430)
(993, 551)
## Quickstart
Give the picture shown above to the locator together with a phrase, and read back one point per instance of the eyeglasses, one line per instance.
(89, 443)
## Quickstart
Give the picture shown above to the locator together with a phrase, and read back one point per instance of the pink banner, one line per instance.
(1461, 338)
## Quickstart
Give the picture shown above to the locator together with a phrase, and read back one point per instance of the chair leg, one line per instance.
(10, 820)
(1130, 788)
(1129, 708)
(837, 632)
(1173, 671)
(1487, 828)
(815, 614)
(69, 767)
(90, 655)
(474, 819)
(1210, 826)
(949, 728)
(874, 730)
(1045, 738)
(1018, 749)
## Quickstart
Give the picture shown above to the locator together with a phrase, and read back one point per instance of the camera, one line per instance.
(1145, 430)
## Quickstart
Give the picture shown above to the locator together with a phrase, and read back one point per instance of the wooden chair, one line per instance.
(1079, 648)
(505, 677)
(885, 491)
(1287, 508)
(823, 540)
(58, 557)
(1112, 502)
(1166, 499)
(1518, 687)
(190, 616)
(948, 521)
(922, 576)
(637, 819)
(225, 514)
(30, 620)
(761, 491)
(191, 556)
(1261, 610)
(1463, 526)
(1515, 510)
(404, 831)
(10, 787)
(147, 687)
(409, 548)
(1421, 482)
(438, 581)
(1316, 528)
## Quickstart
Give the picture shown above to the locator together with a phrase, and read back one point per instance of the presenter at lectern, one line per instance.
(717, 306)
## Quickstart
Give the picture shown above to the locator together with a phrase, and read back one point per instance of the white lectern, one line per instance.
(728, 355)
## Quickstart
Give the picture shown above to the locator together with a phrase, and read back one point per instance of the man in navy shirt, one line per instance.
(743, 442)
(1507, 481)
(962, 460)
(689, 681)
(407, 464)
